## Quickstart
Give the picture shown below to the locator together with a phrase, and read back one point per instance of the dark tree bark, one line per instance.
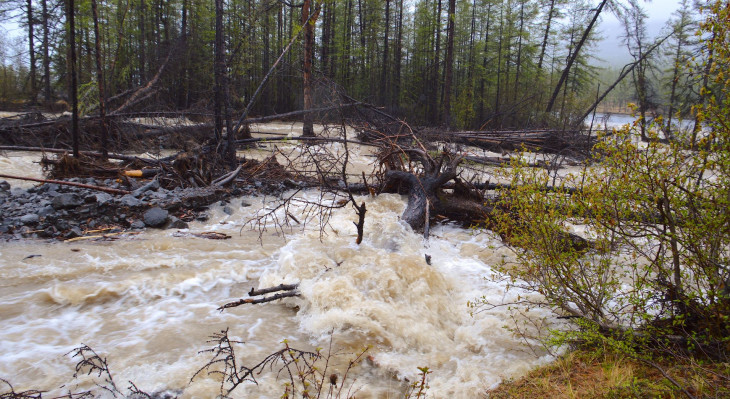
(673, 90)
(222, 94)
(433, 103)
(472, 33)
(142, 40)
(573, 56)
(346, 62)
(100, 80)
(423, 189)
(182, 100)
(73, 84)
(326, 48)
(482, 94)
(545, 37)
(46, 57)
(398, 56)
(499, 64)
(384, 89)
(218, 71)
(449, 62)
(518, 65)
(307, 128)
(31, 52)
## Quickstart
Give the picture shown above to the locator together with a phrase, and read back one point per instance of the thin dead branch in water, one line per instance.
(227, 178)
(107, 236)
(210, 235)
(289, 288)
(280, 287)
(255, 301)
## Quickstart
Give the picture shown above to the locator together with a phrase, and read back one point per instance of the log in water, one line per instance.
(148, 303)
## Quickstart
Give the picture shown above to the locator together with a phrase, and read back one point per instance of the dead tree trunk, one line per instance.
(423, 188)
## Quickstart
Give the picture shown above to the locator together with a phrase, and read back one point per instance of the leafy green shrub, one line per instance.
(654, 275)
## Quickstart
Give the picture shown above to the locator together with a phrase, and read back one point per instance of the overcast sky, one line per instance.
(611, 50)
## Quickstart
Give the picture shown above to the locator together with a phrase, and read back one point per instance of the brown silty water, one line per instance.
(148, 303)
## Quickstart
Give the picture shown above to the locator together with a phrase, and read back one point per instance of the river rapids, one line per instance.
(147, 303)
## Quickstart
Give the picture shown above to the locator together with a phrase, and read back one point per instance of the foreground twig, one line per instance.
(11, 394)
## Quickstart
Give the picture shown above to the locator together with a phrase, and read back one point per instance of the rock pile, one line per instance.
(59, 211)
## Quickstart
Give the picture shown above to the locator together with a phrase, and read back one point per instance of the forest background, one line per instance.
(466, 64)
(479, 64)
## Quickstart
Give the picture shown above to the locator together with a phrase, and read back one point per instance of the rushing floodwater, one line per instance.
(148, 303)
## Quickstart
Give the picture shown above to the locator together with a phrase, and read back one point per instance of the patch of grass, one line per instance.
(594, 373)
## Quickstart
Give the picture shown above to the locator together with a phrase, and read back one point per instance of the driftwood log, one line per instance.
(435, 190)
(426, 197)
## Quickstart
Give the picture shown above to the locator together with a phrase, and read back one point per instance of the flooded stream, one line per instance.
(148, 302)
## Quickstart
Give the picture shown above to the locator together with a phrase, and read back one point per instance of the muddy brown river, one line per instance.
(148, 302)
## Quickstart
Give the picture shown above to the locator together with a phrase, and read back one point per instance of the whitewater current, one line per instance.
(148, 304)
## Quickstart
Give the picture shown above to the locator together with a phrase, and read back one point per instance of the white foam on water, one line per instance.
(383, 293)
(148, 303)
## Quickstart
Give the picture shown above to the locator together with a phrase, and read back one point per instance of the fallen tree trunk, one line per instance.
(504, 186)
(423, 189)
(465, 203)
(144, 91)
(68, 183)
(545, 140)
(120, 157)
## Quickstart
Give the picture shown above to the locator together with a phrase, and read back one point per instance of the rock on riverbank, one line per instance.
(62, 212)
